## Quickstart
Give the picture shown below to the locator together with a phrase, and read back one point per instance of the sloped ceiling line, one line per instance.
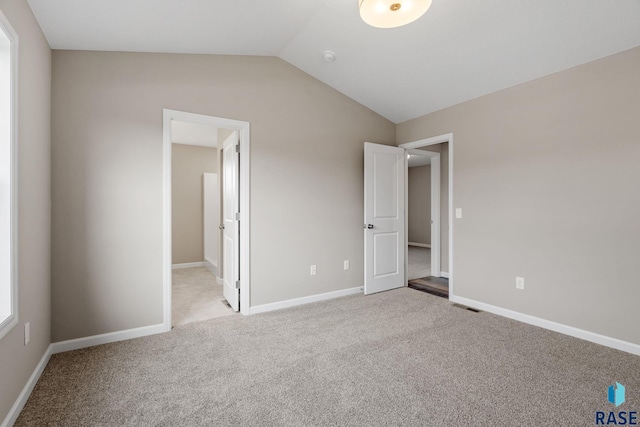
(459, 50)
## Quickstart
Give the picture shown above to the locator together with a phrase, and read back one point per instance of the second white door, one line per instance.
(384, 217)
(230, 209)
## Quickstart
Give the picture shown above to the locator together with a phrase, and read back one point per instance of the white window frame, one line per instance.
(9, 283)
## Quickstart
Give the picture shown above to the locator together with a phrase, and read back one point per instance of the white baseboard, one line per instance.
(78, 343)
(188, 265)
(219, 280)
(213, 269)
(444, 274)
(553, 326)
(304, 300)
(420, 245)
(15, 410)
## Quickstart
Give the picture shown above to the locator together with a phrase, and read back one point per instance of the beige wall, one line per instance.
(306, 179)
(419, 204)
(17, 362)
(547, 176)
(189, 162)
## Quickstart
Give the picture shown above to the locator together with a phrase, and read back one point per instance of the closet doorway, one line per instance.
(206, 217)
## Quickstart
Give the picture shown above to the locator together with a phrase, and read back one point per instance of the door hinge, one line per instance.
(237, 216)
(237, 284)
(238, 147)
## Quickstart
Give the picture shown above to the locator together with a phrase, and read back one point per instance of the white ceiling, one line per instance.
(194, 134)
(457, 51)
(418, 160)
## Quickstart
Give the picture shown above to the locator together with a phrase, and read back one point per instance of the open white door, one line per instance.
(384, 217)
(230, 209)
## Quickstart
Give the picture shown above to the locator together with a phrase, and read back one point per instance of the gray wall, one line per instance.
(306, 179)
(419, 204)
(17, 362)
(189, 163)
(547, 176)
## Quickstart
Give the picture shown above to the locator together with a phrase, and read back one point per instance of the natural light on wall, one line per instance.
(8, 196)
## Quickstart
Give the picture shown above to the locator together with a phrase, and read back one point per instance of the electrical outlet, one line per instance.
(27, 333)
(313, 270)
(346, 264)
(519, 282)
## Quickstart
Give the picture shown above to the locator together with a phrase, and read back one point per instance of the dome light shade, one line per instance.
(392, 13)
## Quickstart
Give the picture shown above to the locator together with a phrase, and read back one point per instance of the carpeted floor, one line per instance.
(401, 357)
(419, 264)
(196, 296)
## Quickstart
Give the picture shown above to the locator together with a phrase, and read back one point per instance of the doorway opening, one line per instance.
(439, 280)
(423, 221)
(196, 288)
(423, 213)
(206, 217)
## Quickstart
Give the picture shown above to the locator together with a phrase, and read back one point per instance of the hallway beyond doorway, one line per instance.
(419, 262)
(196, 296)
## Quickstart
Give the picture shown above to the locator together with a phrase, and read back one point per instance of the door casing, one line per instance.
(448, 138)
(243, 129)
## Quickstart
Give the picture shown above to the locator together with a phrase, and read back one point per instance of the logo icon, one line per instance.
(616, 394)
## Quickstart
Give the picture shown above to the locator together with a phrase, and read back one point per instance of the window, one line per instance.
(8, 178)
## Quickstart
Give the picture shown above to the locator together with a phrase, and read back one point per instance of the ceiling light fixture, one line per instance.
(392, 13)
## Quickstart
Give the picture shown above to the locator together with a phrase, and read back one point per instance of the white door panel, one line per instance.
(230, 205)
(384, 217)
(385, 181)
(385, 261)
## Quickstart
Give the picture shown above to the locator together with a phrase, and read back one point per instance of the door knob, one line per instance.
(221, 226)
(369, 226)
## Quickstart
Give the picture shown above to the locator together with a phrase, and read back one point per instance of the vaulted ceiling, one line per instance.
(459, 50)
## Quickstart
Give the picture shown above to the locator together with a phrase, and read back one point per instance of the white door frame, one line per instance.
(435, 209)
(243, 129)
(433, 141)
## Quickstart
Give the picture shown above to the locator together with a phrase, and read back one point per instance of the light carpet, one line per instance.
(401, 357)
(196, 296)
(419, 264)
